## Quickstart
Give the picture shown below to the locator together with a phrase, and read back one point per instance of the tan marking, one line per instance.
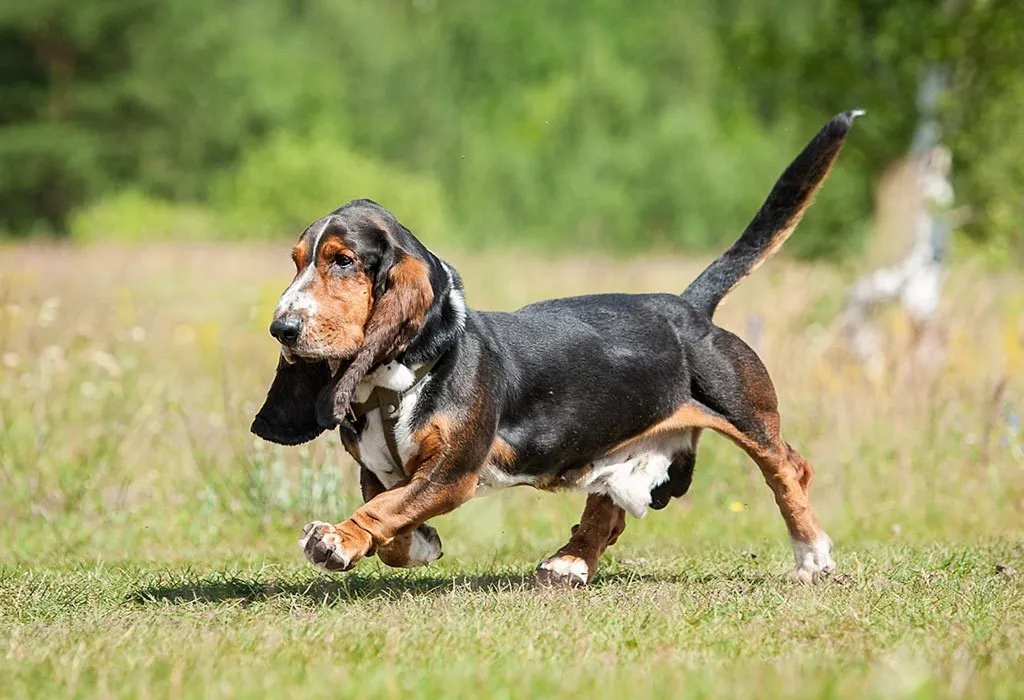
(687, 416)
(343, 307)
(618, 527)
(300, 254)
(779, 237)
(355, 540)
(396, 552)
(331, 249)
(394, 513)
(403, 508)
(343, 303)
(502, 454)
(418, 547)
(433, 438)
(399, 551)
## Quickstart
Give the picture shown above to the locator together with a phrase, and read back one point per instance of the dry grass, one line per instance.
(149, 540)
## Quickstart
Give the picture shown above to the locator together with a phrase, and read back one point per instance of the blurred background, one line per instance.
(158, 159)
(546, 149)
(614, 125)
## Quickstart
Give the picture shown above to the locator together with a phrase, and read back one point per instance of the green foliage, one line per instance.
(131, 216)
(281, 186)
(621, 124)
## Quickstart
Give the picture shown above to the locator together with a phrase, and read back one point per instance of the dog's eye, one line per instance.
(342, 262)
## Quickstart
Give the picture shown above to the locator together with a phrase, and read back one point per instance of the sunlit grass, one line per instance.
(149, 547)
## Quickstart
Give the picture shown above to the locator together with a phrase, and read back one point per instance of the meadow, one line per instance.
(148, 541)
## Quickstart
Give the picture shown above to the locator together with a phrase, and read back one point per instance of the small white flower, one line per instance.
(11, 360)
(48, 312)
(106, 362)
(52, 359)
(137, 333)
(53, 353)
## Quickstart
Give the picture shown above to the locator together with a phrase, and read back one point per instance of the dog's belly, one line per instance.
(627, 475)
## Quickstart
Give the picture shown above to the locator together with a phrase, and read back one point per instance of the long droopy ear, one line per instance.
(288, 416)
(397, 316)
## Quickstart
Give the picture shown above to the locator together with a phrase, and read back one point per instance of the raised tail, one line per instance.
(776, 219)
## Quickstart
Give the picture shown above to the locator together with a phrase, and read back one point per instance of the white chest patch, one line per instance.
(628, 475)
(373, 447)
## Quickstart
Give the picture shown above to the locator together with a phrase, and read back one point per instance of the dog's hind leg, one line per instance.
(788, 475)
(574, 564)
(734, 390)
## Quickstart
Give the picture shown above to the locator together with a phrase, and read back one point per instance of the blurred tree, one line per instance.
(611, 123)
(876, 54)
(96, 96)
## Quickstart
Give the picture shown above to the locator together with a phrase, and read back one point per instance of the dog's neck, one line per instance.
(394, 375)
(443, 328)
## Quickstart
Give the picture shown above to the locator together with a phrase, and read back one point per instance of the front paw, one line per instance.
(325, 548)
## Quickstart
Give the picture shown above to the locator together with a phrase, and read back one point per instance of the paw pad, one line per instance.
(322, 545)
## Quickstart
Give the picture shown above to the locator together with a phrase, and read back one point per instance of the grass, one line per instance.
(148, 541)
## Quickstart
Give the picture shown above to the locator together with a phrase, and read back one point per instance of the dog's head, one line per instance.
(365, 291)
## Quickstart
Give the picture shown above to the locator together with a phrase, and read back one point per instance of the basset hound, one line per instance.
(606, 394)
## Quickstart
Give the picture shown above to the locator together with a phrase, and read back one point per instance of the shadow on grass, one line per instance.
(349, 587)
(323, 590)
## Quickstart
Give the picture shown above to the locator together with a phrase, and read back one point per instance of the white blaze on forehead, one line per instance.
(298, 297)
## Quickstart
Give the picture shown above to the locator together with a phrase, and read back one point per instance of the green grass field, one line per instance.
(148, 541)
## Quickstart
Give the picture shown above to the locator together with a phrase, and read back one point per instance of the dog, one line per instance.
(606, 394)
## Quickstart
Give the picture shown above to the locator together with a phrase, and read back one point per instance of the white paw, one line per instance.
(321, 544)
(561, 571)
(425, 546)
(813, 560)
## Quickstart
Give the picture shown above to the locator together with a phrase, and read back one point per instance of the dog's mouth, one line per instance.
(291, 356)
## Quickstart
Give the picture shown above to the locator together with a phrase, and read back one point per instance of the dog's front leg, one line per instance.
(389, 515)
(443, 476)
(418, 547)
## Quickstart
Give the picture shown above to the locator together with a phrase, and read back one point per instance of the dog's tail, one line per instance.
(777, 218)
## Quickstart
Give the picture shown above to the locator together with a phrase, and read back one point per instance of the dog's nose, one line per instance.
(286, 329)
